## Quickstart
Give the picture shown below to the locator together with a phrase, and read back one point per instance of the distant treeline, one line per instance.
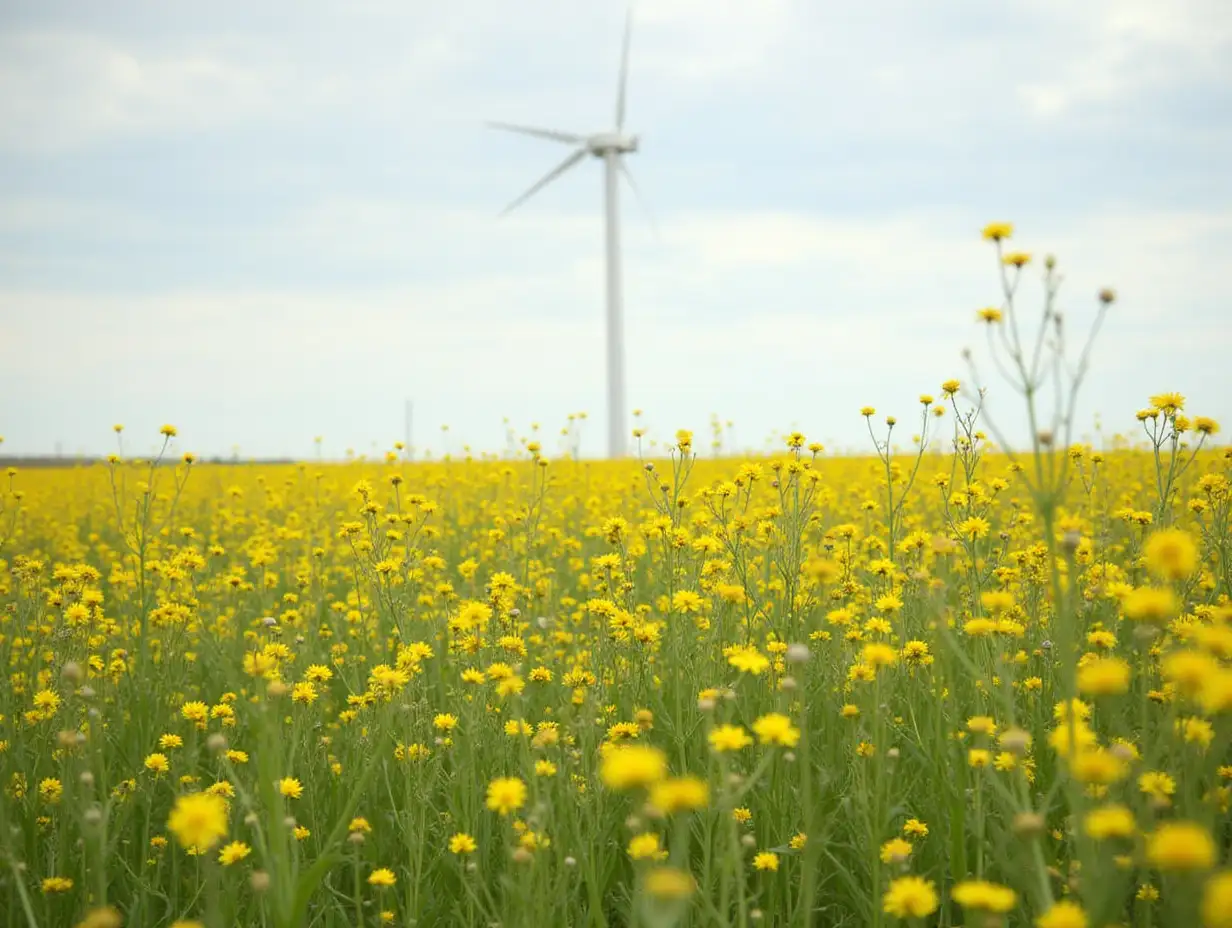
(65, 460)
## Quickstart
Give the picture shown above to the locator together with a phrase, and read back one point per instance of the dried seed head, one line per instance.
(1028, 824)
(1016, 741)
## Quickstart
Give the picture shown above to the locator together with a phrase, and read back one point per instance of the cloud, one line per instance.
(1116, 50)
(769, 319)
(60, 91)
(226, 222)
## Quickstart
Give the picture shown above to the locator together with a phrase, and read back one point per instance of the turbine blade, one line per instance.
(624, 72)
(550, 134)
(637, 195)
(546, 179)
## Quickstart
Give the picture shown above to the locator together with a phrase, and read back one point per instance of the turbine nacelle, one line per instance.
(601, 143)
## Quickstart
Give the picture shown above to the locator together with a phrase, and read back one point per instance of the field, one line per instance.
(942, 685)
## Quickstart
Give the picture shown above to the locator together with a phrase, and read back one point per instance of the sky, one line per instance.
(264, 223)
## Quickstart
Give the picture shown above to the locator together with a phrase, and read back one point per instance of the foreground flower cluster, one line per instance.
(707, 690)
(941, 685)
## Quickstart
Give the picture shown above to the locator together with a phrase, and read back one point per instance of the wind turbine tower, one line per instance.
(610, 147)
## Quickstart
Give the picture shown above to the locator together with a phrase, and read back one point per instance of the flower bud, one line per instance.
(797, 654)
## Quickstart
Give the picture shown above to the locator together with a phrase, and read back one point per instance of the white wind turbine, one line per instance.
(610, 147)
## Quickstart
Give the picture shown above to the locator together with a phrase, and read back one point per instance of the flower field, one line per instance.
(943, 684)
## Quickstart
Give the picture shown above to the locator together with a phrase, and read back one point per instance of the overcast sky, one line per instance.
(264, 222)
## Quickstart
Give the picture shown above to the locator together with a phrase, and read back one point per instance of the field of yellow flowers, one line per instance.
(941, 685)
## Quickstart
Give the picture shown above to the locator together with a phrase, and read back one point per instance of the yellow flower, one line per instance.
(996, 231)
(1171, 554)
(462, 843)
(289, 786)
(382, 877)
(1168, 402)
(157, 763)
(506, 794)
(913, 827)
(1217, 901)
(910, 897)
(50, 790)
(981, 725)
(57, 884)
(895, 851)
(233, 853)
(1064, 914)
(725, 738)
(1098, 765)
(1149, 604)
(645, 847)
(1103, 676)
(1157, 784)
(198, 821)
(766, 860)
(669, 883)
(103, 917)
(1180, 846)
(630, 766)
(748, 660)
(1112, 821)
(776, 728)
(984, 896)
(679, 794)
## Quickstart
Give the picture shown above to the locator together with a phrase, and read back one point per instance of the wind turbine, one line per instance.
(609, 147)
